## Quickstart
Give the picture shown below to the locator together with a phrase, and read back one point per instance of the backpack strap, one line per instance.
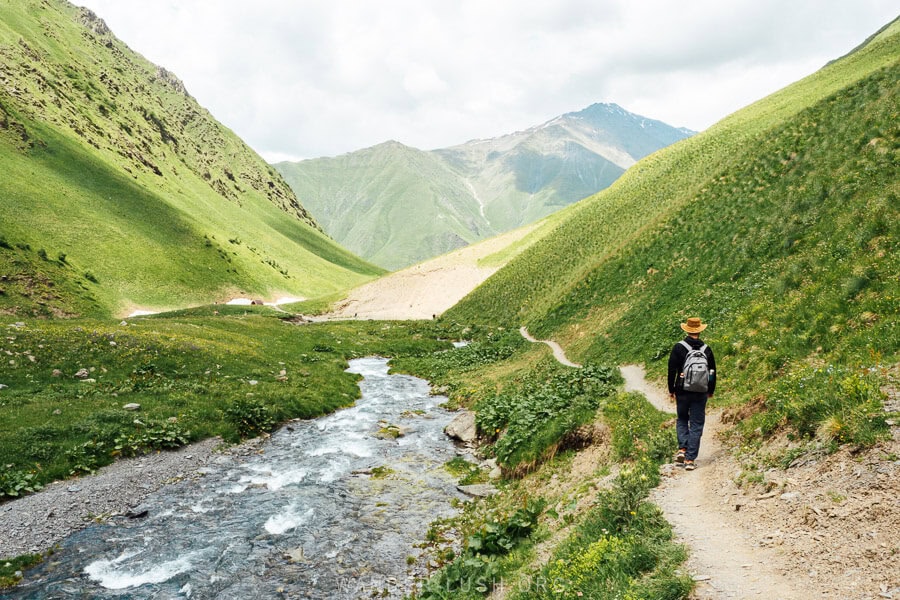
(691, 348)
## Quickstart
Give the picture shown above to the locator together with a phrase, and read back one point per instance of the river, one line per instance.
(329, 509)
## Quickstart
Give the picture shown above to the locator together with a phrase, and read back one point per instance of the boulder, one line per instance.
(82, 374)
(462, 427)
(132, 406)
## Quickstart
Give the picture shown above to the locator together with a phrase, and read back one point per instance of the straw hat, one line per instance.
(694, 325)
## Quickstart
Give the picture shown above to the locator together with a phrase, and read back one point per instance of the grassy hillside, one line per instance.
(366, 199)
(120, 191)
(347, 193)
(779, 226)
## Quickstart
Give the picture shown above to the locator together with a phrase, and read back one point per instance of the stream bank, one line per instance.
(329, 508)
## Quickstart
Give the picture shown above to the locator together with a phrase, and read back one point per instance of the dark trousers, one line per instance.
(691, 411)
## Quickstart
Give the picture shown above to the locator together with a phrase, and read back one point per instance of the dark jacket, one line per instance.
(676, 361)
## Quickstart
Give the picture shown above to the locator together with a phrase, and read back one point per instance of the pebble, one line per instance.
(67, 507)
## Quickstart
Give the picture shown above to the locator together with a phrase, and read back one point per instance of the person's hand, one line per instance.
(672, 396)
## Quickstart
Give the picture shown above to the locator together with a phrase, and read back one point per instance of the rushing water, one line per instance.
(304, 519)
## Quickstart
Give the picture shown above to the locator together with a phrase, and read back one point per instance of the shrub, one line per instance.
(475, 572)
(153, 436)
(250, 417)
(88, 457)
(539, 413)
(15, 482)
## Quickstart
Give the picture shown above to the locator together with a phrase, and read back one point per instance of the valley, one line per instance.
(126, 435)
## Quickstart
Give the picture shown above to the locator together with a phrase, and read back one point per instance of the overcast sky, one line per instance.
(306, 78)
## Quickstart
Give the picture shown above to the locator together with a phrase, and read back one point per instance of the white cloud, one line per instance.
(310, 78)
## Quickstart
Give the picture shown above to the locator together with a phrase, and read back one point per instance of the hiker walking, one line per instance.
(692, 381)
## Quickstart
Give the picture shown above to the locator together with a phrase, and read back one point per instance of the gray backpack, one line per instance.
(695, 369)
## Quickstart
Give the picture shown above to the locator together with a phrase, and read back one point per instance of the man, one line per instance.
(690, 405)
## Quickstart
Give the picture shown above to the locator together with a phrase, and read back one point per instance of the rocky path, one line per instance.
(723, 560)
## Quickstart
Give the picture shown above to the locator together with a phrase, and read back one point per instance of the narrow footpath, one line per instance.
(558, 352)
(722, 560)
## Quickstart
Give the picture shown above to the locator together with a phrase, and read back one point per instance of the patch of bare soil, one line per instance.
(826, 528)
(426, 290)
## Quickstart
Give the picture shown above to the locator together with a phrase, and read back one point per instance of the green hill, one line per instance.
(455, 196)
(119, 191)
(779, 226)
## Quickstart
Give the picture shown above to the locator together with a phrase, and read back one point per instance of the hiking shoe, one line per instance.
(679, 456)
(689, 465)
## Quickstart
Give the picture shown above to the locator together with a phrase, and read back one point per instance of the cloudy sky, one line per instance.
(306, 78)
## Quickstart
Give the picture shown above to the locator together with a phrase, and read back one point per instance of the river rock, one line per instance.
(479, 490)
(462, 428)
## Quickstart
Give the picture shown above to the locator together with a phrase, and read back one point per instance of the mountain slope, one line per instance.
(454, 196)
(350, 192)
(119, 190)
(779, 226)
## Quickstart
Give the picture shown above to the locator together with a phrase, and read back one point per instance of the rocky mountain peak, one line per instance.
(90, 20)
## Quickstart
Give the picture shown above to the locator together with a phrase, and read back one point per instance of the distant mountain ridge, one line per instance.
(367, 199)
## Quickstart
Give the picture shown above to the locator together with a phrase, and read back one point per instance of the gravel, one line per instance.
(35, 523)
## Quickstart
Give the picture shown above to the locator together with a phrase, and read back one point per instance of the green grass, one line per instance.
(620, 546)
(194, 375)
(11, 567)
(779, 226)
(105, 159)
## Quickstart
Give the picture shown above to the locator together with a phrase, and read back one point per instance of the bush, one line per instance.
(539, 413)
(15, 482)
(153, 436)
(474, 573)
(250, 417)
(88, 457)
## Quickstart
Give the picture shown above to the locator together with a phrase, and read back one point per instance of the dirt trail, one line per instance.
(558, 352)
(722, 560)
